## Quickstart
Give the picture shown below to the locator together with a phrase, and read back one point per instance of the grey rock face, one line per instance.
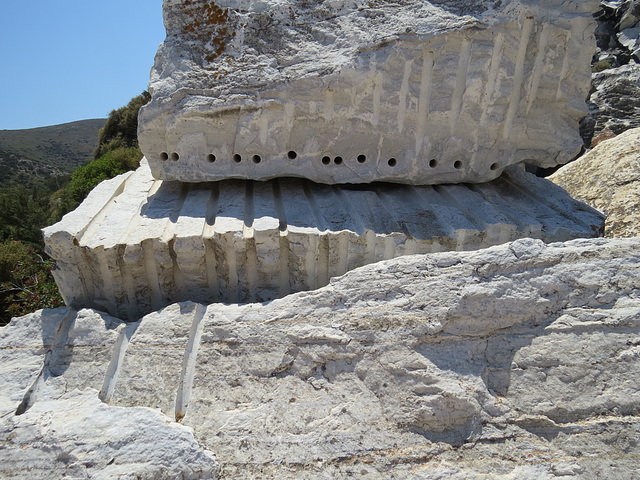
(518, 361)
(353, 92)
(614, 103)
(138, 244)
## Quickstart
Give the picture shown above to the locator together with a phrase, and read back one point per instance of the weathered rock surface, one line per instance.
(616, 20)
(53, 423)
(353, 92)
(518, 361)
(608, 178)
(615, 102)
(138, 244)
(78, 436)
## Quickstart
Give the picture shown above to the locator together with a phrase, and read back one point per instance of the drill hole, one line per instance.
(175, 157)
(337, 160)
(362, 158)
(326, 160)
(256, 159)
(392, 162)
(494, 166)
(292, 154)
(237, 158)
(433, 163)
(211, 158)
(164, 156)
(457, 164)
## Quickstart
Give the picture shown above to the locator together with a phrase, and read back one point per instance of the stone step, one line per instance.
(138, 244)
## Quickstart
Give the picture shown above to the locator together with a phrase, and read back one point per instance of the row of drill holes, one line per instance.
(165, 156)
(237, 158)
(361, 159)
(325, 160)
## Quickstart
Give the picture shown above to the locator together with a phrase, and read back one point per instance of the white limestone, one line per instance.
(77, 436)
(518, 361)
(353, 92)
(139, 244)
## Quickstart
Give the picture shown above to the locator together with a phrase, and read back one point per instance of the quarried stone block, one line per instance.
(137, 244)
(349, 91)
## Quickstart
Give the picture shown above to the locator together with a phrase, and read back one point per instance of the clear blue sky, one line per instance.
(68, 60)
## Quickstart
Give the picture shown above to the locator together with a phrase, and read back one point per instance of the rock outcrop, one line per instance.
(517, 361)
(613, 102)
(78, 436)
(139, 244)
(608, 178)
(353, 92)
(521, 360)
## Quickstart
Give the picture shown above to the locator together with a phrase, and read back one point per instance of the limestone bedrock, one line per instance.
(521, 361)
(137, 244)
(608, 178)
(355, 91)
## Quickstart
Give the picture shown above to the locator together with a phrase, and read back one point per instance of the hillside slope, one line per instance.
(26, 155)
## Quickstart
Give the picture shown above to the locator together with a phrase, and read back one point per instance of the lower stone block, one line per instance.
(137, 244)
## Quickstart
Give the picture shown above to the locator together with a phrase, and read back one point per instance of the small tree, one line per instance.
(121, 129)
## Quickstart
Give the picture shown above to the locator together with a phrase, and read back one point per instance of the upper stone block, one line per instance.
(348, 91)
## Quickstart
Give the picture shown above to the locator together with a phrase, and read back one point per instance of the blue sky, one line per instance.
(68, 60)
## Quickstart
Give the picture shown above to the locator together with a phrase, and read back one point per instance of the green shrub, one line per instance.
(26, 282)
(121, 129)
(23, 212)
(85, 178)
(600, 66)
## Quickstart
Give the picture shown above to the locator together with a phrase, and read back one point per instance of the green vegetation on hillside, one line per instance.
(84, 179)
(40, 198)
(27, 156)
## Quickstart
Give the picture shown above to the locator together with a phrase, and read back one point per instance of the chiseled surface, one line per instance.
(359, 91)
(608, 178)
(138, 244)
(517, 361)
(78, 436)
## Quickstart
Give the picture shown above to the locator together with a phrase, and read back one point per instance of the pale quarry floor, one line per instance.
(520, 361)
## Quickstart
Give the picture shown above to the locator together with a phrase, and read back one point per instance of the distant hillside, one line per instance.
(26, 155)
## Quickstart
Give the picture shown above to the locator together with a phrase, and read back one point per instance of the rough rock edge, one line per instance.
(578, 291)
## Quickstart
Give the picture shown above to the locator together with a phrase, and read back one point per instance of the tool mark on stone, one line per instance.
(51, 360)
(550, 205)
(208, 232)
(403, 94)
(460, 85)
(518, 76)
(494, 68)
(109, 204)
(185, 385)
(377, 96)
(538, 65)
(424, 100)
(117, 359)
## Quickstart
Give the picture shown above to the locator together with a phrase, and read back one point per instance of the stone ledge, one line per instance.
(138, 244)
